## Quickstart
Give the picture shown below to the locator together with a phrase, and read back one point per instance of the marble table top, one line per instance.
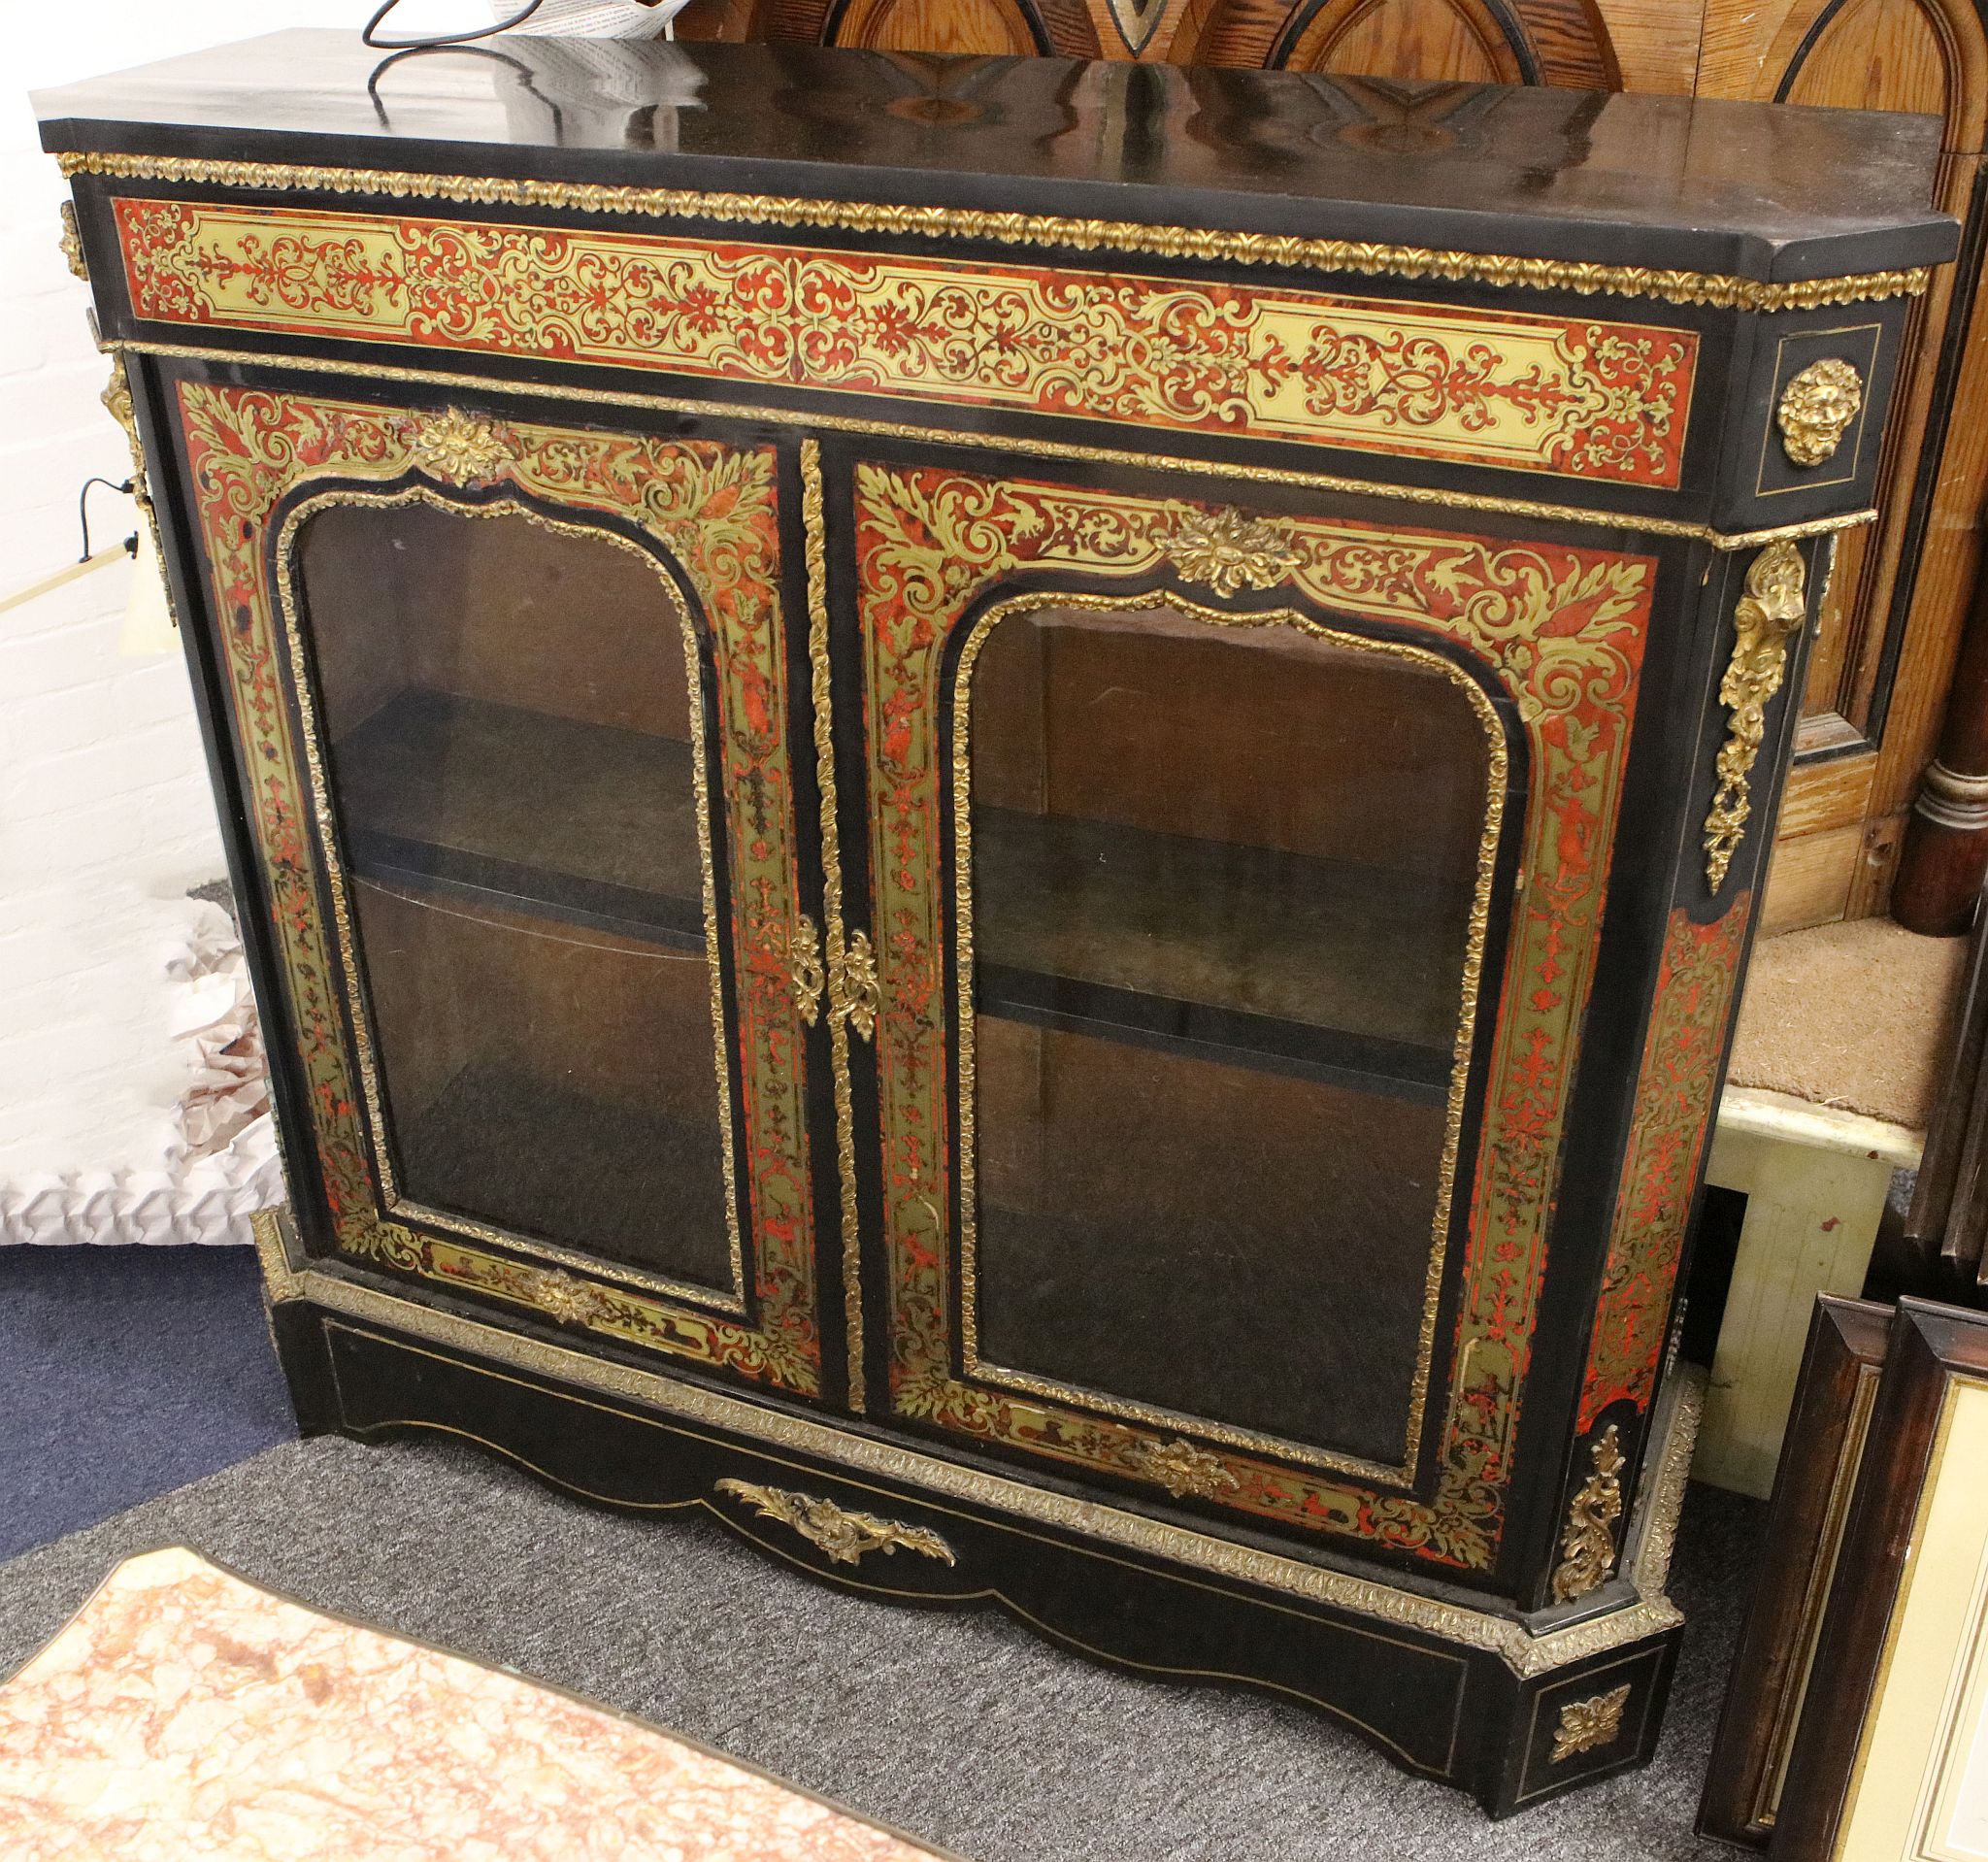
(186, 1714)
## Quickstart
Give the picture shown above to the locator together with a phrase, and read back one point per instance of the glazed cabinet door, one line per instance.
(511, 703)
(1236, 880)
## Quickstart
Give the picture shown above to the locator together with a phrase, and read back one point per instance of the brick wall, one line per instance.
(105, 816)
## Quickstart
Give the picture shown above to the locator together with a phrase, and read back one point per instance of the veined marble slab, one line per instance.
(186, 1714)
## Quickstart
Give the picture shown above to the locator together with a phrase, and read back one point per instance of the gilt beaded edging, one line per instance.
(1366, 258)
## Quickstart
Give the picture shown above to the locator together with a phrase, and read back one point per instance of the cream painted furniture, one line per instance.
(1815, 1180)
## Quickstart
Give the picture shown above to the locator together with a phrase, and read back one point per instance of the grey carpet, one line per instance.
(957, 1726)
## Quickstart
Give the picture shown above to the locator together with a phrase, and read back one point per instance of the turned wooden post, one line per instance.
(1945, 856)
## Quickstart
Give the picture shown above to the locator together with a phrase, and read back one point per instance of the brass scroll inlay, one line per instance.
(846, 1536)
(1818, 407)
(804, 968)
(1589, 1723)
(1588, 1544)
(1770, 611)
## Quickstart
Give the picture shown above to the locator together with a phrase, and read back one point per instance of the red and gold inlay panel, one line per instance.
(713, 510)
(1560, 631)
(1572, 396)
(1673, 1110)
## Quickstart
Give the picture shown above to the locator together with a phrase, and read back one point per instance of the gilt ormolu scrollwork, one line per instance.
(72, 244)
(853, 993)
(119, 404)
(460, 448)
(1587, 1546)
(1816, 409)
(1767, 618)
(1227, 552)
(1183, 1469)
(805, 969)
(843, 1536)
(1365, 258)
(1587, 1725)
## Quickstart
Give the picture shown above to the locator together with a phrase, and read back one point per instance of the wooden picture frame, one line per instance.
(1891, 1762)
(1813, 1488)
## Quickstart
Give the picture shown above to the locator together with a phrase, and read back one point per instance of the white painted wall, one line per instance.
(105, 815)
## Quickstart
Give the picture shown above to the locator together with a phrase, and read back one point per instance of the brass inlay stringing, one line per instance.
(846, 1538)
(446, 445)
(815, 558)
(72, 243)
(1765, 617)
(1108, 1526)
(1588, 1544)
(1227, 552)
(1816, 409)
(1362, 258)
(804, 968)
(831, 423)
(1497, 782)
(1589, 1723)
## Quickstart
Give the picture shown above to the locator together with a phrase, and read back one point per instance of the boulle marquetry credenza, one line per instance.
(1012, 837)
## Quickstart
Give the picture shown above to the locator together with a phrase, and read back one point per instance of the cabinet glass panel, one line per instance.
(1224, 884)
(513, 722)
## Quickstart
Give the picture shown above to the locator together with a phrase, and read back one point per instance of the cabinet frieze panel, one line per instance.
(713, 510)
(1573, 397)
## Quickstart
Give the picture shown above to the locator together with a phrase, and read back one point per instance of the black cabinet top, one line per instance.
(1757, 190)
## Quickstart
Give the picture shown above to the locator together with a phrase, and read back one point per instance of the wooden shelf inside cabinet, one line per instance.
(583, 822)
(558, 1164)
(1245, 954)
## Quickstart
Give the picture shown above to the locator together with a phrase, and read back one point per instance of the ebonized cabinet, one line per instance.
(1014, 841)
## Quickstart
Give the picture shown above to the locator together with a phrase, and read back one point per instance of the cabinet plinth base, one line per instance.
(1414, 1679)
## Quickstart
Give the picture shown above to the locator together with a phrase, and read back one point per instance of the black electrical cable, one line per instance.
(82, 509)
(370, 28)
(527, 79)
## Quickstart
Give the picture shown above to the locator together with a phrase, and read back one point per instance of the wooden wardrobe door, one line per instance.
(1878, 676)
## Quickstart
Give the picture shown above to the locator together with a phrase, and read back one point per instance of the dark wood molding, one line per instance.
(1929, 1347)
(1946, 859)
(1820, 1455)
